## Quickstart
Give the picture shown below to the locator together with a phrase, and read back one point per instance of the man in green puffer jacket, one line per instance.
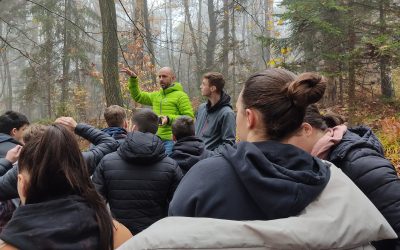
(168, 103)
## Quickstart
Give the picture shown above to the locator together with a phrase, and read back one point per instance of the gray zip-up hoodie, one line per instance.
(216, 125)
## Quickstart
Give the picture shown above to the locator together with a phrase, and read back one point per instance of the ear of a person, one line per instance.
(251, 118)
(13, 132)
(22, 187)
(306, 129)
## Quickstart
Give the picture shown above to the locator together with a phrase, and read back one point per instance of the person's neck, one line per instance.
(214, 99)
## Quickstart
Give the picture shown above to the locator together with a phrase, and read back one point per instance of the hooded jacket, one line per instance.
(341, 217)
(216, 125)
(360, 156)
(6, 143)
(138, 181)
(188, 151)
(104, 145)
(65, 223)
(253, 181)
(118, 133)
(172, 102)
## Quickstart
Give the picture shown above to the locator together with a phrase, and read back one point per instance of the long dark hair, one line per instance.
(317, 120)
(282, 97)
(57, 169)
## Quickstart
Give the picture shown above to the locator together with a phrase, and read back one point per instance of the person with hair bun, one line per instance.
(359, 154)
(261, 177)
(264, 193)
(60, 206)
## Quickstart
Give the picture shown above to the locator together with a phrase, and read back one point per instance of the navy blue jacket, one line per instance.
(6, 143)
(251, 181)
(360, 156)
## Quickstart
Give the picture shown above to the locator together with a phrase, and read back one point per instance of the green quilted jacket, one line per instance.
(171, 102)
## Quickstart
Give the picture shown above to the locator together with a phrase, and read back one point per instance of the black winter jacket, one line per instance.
(5, 165)
(104, 145)
(188, 151)
(138, 181)
(251, 181)
(6, 143)
(65, 223)
(360, 156)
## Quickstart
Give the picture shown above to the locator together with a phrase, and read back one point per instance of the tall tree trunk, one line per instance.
(384, 60)
(225, 49)
(212, 37)
(268, 31)
(234, 49)
(65, 57)
(171, 40)
(148, 37)
(351, 63)
(138, 30)
(194, 42)
(110, 53)
(7, 77)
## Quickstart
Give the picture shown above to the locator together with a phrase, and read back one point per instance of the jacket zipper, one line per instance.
(163, 95)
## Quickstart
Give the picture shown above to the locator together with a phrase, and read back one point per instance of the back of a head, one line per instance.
(317, 120)
(282, 98)
(54, 174)
(146, 121)
(215, 79)
(115, 116)
(33, 131)
(183, 127)
(10, 120)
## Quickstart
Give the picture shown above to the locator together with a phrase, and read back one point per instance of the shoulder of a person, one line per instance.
(209, 165)
(5, 246)
(121, 234)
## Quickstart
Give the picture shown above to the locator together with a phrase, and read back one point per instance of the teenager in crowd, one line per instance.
(138, 180)
(188, 148)
(358, 152)
(104, 144)
(60, 206)
(12, 125)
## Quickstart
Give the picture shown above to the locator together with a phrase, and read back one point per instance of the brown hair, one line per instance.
(53, 174)
(317, 120)
(33, 131)
(282, 98)
(115, 116)
(215, 79)
(183, 127)
(146, 121)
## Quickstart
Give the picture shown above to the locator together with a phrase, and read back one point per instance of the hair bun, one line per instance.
(308, 88)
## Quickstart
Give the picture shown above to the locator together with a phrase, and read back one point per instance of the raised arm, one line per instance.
(104, 144)
(133, 85)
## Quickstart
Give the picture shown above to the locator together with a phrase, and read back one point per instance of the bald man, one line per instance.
(168, 103)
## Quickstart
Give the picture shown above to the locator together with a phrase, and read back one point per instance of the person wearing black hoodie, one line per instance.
(215, 119)
(138, 180)
(188, 148)
(260, 178)
(12, 125)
